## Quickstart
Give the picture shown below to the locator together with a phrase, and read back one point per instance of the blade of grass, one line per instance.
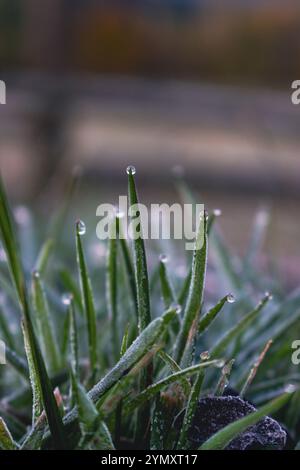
(111, 286)
(223, 437)
(88, 299)
(35, 356)
(194, 301)
(6, 440)
(44, 255)
(224, 379)
(44, 324)
(143, 300)
(208, 318)
(139, 348)
(153, 389)
(190, 412)
(238, 328)
(128, 266)
(165, 283)
(255, 367)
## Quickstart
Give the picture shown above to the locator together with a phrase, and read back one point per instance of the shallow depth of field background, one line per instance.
(198, 83)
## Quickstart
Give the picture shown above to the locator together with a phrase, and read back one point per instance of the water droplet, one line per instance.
(22, 215)
(290, 388)
(36, 274)
(176, 307)
(204, 356)
(81, 228)
(131, 170)
(230, 298)
(67, 299)
(268, 295)
(217, 212)
(220, 363)
(163, 258)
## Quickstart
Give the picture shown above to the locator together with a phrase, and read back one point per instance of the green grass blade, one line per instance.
(223, 437)
(234, 332)
(138, 349)
(44, 255)
(44, 324)
(5, 330)
(74, 357)
(111, 287)
(143, 299)
(209, 317)
(224, 379)
(194, 301)
(140, 262)
(6, 440)
(88, 299)
(11, 246)
(190, 412)
(40, 375)
(165, 283)
(129, 267)
(153, 389)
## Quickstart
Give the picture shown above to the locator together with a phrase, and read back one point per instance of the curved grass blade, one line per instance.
(44, 324)
(5, 329)
(138, 349)
(194, 301)
(255, 367)
(224, 379)
(208, 318)
(91, 423)
(238, 328)
(223, 437)
(88, 300)
(34, 354)
(6, 440)
(152, 390)
(190, 412)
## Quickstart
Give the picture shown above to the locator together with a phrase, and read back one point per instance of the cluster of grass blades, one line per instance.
(112, 366)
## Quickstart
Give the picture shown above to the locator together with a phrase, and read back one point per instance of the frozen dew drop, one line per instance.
(67, 299)
(204, 356)
(130, 170)
(230, 298)
(36, 274)
(290, 388)
(220, 363)
(176, 307)
(81, 228)
(217, 212)
(268, 295)
(163, 258)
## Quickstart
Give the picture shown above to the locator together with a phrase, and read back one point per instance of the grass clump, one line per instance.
(104, 368)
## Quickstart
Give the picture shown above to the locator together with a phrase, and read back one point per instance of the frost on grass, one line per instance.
(214, 413)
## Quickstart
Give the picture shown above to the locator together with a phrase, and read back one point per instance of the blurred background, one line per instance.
(200, 84)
